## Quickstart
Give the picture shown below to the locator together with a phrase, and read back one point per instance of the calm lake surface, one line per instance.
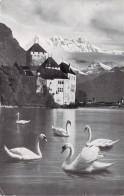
(45, 176)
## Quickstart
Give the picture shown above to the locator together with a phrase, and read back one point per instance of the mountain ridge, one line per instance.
(79, 44)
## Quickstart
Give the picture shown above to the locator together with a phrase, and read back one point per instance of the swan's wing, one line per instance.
(22, 151)
(59, 130)
(12, 155)
(89, 154)
(101, 166)
(79, 164)
(103, 142)
(98, 166)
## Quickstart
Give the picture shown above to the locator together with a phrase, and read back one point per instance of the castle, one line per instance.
(59, 79)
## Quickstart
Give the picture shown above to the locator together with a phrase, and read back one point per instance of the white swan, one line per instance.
(22, 153)
(60, 131)
(101, 143)
(21, 121)
(82, 163)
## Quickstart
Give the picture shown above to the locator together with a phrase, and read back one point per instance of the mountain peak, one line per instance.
(80, 44)
(96, 68)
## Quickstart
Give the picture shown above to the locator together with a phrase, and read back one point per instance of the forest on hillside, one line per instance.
(17, 89)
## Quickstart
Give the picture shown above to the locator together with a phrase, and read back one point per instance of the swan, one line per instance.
(21, 121)
(101, 143)
(60, 131)
(82, 163)
(22, 153)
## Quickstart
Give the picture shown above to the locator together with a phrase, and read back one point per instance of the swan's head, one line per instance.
(68, 122)
(17, 113)
(66, 146)
(42, 136)
(87, 127)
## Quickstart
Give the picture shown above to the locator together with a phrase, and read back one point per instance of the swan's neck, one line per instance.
(18, 116)
(38, 151)
(89, 134)
(67, 130)
(71, 152)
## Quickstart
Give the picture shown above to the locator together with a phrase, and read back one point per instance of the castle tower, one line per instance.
(35, 55)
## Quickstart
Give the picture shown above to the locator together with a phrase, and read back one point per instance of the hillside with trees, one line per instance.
(108, 87)
(10, 50)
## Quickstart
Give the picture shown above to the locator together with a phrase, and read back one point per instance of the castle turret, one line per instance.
(35, 55)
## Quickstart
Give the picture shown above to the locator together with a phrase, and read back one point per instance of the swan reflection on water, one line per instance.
(84, 175)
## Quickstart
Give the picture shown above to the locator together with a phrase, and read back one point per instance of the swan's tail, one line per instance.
(10, 154)
(114, 142)
(101, 166)
(52, 127)
(6, 149)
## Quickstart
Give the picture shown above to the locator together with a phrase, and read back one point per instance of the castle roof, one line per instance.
(24, 70)
(36, 48)
(29, 73)
(50, 62)
(51, 70)
(18, 67)
(66, 68)
(27, 70)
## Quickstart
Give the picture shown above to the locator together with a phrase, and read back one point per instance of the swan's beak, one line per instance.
(45, 139)
(63, 149)
(85, 129)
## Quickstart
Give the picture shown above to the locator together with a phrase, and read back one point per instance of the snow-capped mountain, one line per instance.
(73, 45)
(117, 69)
(84, 57)
(77, 71)
(70, 45)
(97, 68)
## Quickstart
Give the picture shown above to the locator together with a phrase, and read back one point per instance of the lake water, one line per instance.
(45, 176)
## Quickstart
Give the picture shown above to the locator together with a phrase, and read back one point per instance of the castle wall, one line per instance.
(35, 58)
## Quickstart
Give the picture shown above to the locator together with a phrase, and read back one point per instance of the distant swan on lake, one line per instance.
(101, 143)
(21, 121)
(22, 153)
(58, 131)
(83, 163)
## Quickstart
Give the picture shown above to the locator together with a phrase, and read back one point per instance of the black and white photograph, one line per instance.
(61, 97)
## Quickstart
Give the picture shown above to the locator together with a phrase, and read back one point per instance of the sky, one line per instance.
(101, 22)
